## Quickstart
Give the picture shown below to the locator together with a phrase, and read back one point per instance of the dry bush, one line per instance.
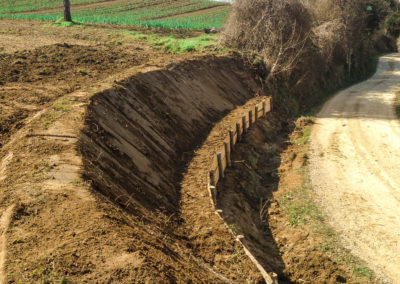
(309, 47)
(277, 30)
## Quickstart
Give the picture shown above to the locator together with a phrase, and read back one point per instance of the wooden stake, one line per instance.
(238, 132)
(220, 167)
(256, 110)
(212, 178)
(250, 118)
(227, 155)
(231, 141)
(264, 108)
(244, 124)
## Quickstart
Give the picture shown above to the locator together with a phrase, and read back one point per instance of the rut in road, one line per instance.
(355, 168)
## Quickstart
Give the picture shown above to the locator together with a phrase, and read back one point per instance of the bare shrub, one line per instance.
(277, 30)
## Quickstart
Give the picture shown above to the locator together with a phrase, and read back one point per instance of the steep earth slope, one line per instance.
(130, 139)
(355, 168)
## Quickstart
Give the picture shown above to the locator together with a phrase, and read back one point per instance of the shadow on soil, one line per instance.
(245, 193)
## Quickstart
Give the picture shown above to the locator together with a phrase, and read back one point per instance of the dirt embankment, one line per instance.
(138, 138)
(123, 223)
(140, 135)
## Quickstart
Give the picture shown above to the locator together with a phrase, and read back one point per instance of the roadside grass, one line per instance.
(302, 210)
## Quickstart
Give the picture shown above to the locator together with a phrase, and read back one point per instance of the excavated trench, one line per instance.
(138, 141)
(140, 135)
(146, 146)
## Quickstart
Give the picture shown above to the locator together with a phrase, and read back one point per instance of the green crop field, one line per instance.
(175, 14)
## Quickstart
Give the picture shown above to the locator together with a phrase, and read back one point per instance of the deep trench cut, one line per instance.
(140, 134)
(139, 138)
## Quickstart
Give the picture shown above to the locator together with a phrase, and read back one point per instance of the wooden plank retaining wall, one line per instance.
(222, 158)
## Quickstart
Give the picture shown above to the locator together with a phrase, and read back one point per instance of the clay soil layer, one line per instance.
(355, 168)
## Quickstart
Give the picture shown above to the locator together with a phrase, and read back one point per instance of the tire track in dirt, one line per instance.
(360, 189)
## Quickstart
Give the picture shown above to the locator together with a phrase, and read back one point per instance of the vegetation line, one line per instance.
(302, 209)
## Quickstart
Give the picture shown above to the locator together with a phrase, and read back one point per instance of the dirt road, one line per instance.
(355, 168)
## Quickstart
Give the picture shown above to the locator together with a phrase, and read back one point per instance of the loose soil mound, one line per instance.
(30, 80)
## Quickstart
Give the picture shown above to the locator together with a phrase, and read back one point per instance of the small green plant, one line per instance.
(299, 207)
(59, 108)
(40, 171)
(362, 271)
(301, 210)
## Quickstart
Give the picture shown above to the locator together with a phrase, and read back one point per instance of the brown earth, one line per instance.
(54, 225)
(30, 80)
(267, 171)
(100, 177)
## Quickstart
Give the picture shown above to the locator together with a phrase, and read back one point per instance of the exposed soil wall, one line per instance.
(137, 142)
(140, 134)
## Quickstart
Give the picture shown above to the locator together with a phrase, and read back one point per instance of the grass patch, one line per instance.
(175, 44)
(304, 139)
(58, 109)
(61, 23)
(299, 207)
(302, 210)
(397, 104)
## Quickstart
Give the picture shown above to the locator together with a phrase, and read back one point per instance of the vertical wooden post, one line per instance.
(250, 118)
(227, 155)
(270, 104)
(212, 178)
(213, 189)
(244, 122)
(238, 132)
(264, 108)
(220, 167)
(256, 110)
(231, 141)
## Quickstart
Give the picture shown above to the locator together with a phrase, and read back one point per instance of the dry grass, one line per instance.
(277, 30)
(292, 35)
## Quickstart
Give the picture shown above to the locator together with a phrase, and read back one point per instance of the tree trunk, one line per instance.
(67, 11)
